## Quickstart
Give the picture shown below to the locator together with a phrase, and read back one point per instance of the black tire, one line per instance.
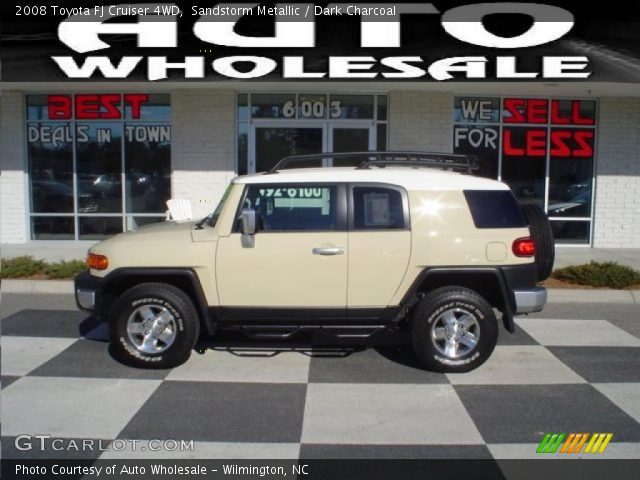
(428, 316)
(174, 305)
(542, 235)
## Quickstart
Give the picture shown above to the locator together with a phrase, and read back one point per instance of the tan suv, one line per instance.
(398, 240)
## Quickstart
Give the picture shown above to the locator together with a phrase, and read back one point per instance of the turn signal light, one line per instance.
(524, 247)
(97, 262)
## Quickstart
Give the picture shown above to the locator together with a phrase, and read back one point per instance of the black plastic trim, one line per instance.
(506, 293)
(85, 281)
(160, 272)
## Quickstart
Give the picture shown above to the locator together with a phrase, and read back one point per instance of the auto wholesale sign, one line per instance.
(439, 41)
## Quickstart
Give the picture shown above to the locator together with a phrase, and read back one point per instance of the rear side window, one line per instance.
(377, 208)
(494, 209)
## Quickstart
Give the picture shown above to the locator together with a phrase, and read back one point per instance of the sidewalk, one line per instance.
(555, 295)
(54, 251)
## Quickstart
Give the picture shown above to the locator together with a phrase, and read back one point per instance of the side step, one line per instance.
(282, 332)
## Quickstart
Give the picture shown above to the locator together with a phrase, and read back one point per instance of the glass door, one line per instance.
(350, 138)
(272, 142)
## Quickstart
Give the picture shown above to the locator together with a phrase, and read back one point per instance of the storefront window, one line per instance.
(83, 151)
(543, 148)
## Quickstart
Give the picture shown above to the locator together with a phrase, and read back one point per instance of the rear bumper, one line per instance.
(530, 300)
(87, 291)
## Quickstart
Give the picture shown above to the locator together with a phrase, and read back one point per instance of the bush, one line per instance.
(599, 274)
(64, 269)
(20, 267)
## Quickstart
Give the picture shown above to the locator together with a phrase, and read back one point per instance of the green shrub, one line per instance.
(599, 274)
(64, 269)
(20, 267)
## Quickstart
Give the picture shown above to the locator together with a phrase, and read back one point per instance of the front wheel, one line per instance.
(154, 325)
(453, 330)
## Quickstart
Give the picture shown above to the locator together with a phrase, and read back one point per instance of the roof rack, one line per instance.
(381, 159)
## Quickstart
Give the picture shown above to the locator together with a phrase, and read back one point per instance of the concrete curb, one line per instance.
(556, 295)
(37, 286)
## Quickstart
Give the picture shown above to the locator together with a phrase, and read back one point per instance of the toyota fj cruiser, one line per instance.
(393, 240)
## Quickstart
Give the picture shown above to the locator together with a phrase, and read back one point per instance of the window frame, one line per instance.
(340, 213)
(405, 206)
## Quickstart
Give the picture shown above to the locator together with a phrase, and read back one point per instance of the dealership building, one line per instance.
(81, 161)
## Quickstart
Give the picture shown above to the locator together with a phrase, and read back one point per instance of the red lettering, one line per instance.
(537, 111)
(508, 148)
(584, 139)
(555, 114)
(111, 103)
(536, 143)
(87, 107)
(511, 105)
(559, 147)
(136, 100)
(59, 107)
(578, 119)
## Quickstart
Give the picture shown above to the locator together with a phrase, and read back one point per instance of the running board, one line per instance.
(282, 332)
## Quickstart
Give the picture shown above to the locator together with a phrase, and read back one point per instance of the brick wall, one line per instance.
(202, 146)
(617, 199)
(13, 193)
(421, 121)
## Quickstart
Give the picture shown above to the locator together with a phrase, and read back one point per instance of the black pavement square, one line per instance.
(602, 364)
(379, 365)
(524, 413)
(7, 380)
(395, 452)
(92, 359)
(221, 412)
(49, 323)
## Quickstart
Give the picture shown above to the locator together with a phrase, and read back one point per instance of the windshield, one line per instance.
(218, 210)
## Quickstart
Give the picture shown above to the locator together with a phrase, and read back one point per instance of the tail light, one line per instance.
(524, 247)
(97, 262)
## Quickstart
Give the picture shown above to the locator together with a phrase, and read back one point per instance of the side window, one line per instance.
(293, 207)
(377, 208)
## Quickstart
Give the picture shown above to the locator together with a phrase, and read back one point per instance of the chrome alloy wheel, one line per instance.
(455, 333)
(151, 328)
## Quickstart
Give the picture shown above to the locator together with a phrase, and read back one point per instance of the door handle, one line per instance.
(325, 251)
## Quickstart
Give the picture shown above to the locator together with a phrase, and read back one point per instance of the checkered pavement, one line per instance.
(259, 399)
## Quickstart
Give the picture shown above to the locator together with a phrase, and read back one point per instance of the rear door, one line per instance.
(379, 243)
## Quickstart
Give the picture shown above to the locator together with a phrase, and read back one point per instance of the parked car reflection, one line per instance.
(53, 196)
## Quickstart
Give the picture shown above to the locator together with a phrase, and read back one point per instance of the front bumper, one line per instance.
(87, 291)
(530, 300)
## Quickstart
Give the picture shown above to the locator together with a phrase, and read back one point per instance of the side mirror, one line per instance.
(248, 227)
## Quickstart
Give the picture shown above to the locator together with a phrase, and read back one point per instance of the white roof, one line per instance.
(407, 177)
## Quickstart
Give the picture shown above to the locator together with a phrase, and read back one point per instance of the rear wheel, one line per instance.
(453, 330)
(154, 325)
(542, 235)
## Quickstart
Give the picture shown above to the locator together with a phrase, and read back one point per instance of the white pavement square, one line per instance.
(625, 395)
(53, 404)
(380, 414)
(225, 366)
(578, 333)
(512, 365)
(21, 355)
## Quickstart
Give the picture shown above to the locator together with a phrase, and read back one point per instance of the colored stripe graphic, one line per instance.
(574, 442)
(550, 443)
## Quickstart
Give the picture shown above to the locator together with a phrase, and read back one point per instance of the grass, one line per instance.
(597, 275)
(29, 267)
